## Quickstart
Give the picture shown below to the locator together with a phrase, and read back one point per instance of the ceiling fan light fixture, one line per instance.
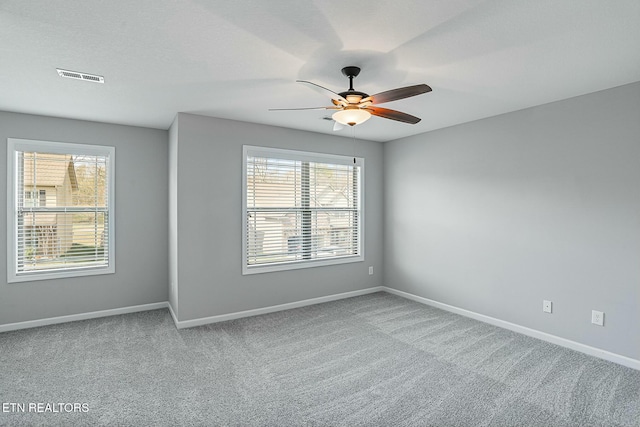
(351, 115)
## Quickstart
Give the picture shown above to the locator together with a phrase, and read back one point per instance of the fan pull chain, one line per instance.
(353, 134)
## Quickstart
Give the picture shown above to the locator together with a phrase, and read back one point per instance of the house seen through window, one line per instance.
(300, 209)
(62, 210)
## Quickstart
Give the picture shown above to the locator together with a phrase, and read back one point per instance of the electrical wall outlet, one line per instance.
(546, 306)
(370, 270)
(597, 317)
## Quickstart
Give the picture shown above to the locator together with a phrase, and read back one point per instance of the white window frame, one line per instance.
(14, 146)
(280, 153)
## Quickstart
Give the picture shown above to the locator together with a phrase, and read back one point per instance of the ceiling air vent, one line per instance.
(80, 76)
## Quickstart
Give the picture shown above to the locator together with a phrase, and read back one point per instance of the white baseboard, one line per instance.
(82, 316)
(573, 345)
(563, 342)
(180, 324)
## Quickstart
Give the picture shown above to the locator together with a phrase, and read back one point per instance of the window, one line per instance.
(300, 209)
(60, 203)
(35, 199)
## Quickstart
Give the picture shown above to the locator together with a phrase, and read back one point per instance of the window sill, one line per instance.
(50, 275)
(296, 265)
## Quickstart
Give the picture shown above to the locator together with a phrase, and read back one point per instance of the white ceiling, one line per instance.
(236, 59)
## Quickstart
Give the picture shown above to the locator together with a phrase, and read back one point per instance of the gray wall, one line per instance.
(209, 220)
(496, 215)
(141, 223)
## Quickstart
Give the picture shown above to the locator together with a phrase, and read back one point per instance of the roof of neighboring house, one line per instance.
(50, 169)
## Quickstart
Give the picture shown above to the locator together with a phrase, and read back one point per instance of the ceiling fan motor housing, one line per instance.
(353, 92)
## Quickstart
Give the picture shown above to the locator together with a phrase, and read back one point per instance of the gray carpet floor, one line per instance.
(374, 360)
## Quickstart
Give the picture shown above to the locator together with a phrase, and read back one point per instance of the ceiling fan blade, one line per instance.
(400, 93)
(309, 108)
(337, 126)
(324, 91)
(393, 115)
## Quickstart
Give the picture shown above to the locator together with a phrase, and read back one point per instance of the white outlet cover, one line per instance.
(546, 306)
(597, 317)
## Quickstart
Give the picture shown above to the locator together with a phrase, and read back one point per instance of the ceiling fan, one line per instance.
(354, 108)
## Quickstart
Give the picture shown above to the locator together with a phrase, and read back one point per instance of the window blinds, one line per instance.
(62, 211)
(300, 208)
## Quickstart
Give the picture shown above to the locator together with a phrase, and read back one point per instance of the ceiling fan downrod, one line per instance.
(351, 72)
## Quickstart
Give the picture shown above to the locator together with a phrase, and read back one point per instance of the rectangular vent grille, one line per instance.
(80, 76)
